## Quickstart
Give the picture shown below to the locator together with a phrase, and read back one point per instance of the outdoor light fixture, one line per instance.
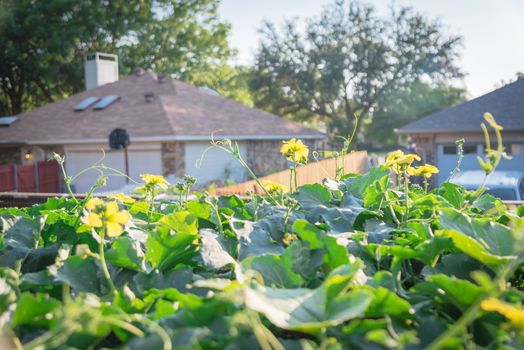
(28, 155)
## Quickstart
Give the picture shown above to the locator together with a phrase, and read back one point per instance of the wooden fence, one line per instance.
(39, 177)
(314, 172)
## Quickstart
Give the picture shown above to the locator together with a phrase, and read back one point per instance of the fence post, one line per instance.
(15, 173)
(35, 174)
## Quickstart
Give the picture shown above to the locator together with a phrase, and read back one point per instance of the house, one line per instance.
(170, 124)
(434, 136)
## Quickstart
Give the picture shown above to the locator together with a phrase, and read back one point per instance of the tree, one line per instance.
(399, 107)
(345, 61)
(44, 42)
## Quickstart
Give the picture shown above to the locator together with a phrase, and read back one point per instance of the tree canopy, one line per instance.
(402, 106)
(44, 42)
(346, 60)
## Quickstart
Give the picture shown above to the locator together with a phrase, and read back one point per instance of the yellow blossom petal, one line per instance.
(93, 220)
(93, 203)
(113, 229)
(392, 157)
(514, 314)
(295, 150)
(122, 217)
(274, 187)
(151, 179)
(111, 209)
(122, 198)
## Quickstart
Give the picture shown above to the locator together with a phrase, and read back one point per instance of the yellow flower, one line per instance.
(274, 187)
(398, 161)
(106, 215)
(514, 314)
(392, 158)
(295, 151)
(122, 198)
(153, 180)
(426, 170)
(488, 117)
(93, 203)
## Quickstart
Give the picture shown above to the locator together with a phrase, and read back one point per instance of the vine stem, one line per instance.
(295, 174)
(101, 252)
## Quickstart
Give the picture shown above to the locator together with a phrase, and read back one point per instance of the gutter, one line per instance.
(177, 138)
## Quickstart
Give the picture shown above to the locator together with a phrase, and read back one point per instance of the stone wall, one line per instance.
(264, 158)
(427, 150)
(173, 158)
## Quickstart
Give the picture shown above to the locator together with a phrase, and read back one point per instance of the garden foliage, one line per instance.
(351, 264)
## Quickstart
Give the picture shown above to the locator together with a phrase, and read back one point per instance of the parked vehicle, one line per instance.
(506, 185)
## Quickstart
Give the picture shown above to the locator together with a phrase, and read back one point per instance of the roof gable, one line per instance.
(506, 104)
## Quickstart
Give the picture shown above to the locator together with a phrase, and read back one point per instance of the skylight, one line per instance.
(106, 101)
(86, 103)
(6, 121)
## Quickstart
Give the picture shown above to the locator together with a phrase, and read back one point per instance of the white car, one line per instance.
(506, 185)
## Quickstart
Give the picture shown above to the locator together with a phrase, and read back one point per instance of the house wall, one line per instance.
(173, 158)
(15, 154)
(10, 155)
(143, 157)
(435, 148)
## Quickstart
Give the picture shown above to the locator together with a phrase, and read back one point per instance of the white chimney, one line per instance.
(100, 68)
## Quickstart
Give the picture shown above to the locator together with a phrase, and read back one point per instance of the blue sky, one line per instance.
(493, 31)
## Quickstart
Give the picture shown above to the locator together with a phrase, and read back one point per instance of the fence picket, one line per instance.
(355, 162)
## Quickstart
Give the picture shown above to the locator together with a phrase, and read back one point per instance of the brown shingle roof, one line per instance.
(505, 103)
(178, 111)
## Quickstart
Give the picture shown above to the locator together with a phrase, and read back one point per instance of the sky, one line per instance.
(493, 31)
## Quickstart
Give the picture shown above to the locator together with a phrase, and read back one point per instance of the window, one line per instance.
(470, 149)
(106, 101)
(452, 149)
(449, 149)
(6, 121)
(86, 103)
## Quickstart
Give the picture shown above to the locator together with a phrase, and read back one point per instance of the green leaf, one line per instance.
(474, 248)
(336, 254)
(173, 242)
(277, 270)
(126, 252)
(309, 310)
(446, 289)
(453, 194)
(490, 204)
(253, 240)
(312, 195)
(8, 288)
(498, 239)
(338, 219)
(83, 275)
(214, 252)
(20, 232)
(359, 185)
(386, 302)
(179, 279)
(35, 310)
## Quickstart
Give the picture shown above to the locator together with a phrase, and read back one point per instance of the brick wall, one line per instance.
(264, 158)
(173, 158)
(427, 144)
